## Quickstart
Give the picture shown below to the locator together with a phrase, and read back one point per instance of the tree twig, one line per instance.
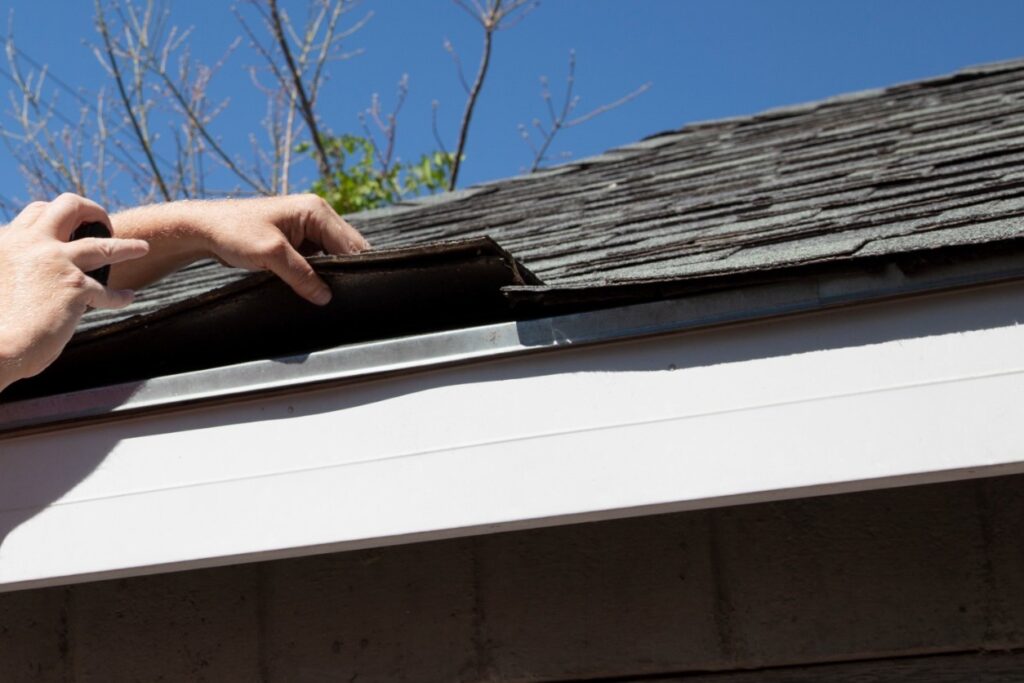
(450, 49)
(201, 129)
(311, 53)
(434, 106)
(488, 24)
(143, 139)
(323, 162)
(597, 111)
(495, 16)
(105, 133)
(559, 119)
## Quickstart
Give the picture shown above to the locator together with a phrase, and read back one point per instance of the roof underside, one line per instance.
(918, 168)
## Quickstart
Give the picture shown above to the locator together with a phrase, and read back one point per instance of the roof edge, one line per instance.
(370, 360)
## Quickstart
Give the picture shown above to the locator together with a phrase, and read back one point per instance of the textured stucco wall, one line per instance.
(871, 575)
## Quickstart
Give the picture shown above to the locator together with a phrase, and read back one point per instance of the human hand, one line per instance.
(272, 233)
(43, 286)
(263, 233)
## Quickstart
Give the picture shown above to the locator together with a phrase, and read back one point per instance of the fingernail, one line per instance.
(322, 296)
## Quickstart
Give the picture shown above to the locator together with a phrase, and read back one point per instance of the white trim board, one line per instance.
(743, 413)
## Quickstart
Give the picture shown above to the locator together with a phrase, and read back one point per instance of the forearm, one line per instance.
(260, 233)
(175, 235)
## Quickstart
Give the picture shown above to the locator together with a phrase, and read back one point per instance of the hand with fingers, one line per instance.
(43, 286)
(265, 233)
(274, 233)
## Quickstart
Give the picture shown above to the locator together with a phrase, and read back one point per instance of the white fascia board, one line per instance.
(795, 406)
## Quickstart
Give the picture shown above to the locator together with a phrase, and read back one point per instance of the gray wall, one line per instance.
(846, 579)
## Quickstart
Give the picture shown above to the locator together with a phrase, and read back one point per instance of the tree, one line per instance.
(151, 134)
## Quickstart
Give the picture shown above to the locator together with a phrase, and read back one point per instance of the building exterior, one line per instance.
(739, 402)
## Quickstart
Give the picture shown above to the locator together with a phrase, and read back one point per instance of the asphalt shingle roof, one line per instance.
(915, 166)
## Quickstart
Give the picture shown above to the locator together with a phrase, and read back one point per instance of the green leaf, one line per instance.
(356, 184)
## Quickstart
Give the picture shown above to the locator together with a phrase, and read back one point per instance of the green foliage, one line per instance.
(357, 183)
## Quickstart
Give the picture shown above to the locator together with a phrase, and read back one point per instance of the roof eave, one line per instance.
(584, 316)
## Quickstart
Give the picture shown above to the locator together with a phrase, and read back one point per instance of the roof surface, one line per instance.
(907, 168)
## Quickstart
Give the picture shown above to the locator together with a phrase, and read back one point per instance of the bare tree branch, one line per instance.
(560, 118)
(515, 12)
(55, 161)
(143, 139)
(434, 106)
(597, 111)
(388, 126)
(193, 116)
(161, 86)
(467, 115)
(147, 45)
(280, 117)
(306, 107)
(331, 37)
(104, 132)
(318, 44)
(495, 16)
(450, 49)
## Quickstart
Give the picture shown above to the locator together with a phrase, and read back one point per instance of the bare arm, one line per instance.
(256, 234)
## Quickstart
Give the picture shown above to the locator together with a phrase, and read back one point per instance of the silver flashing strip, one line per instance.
(380, 358)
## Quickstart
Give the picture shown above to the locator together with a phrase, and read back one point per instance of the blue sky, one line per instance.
(705, 59)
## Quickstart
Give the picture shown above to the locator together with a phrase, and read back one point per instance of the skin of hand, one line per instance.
(266, 233)
(43, 286)
(44, 290)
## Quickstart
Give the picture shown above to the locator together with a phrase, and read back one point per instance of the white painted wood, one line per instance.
(803, 406)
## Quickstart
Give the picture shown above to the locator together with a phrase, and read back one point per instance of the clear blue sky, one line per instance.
(706, 59)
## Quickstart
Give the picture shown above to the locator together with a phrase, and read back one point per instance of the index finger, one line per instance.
(64, 214)
(92, 253)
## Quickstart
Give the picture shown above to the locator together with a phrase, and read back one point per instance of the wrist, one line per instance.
(177, 235)
(11, 363)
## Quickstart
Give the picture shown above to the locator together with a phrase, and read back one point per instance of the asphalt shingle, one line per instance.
(915, 166)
